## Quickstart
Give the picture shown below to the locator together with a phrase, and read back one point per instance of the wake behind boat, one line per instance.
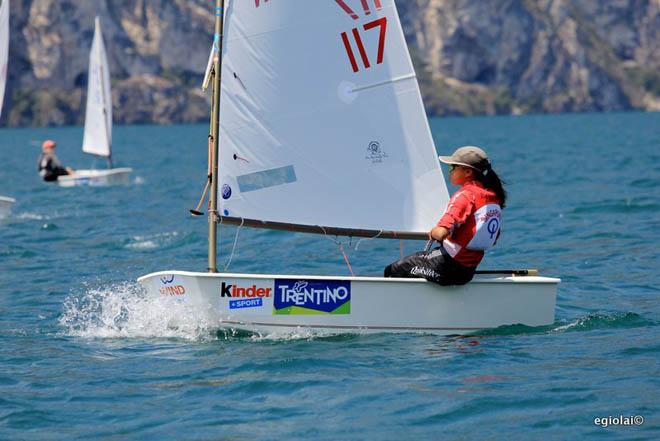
(323, 130)
(97, 139)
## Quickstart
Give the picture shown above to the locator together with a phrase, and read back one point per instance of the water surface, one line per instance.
(84, 355)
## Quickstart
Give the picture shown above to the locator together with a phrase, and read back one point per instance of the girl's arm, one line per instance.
(458, 210)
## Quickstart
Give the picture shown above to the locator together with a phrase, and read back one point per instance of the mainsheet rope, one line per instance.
(340, 245)
(341, 249)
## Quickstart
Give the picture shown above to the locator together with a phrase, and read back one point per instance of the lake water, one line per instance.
(83, 355)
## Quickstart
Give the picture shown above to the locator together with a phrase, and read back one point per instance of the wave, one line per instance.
(151, 242)
(300, 333)
(604, 320)
(628, 205)
(31, 216)
(125, 311)
(589, 322)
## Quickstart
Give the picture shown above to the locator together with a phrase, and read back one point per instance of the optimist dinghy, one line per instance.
(97, 139)
(322, 129)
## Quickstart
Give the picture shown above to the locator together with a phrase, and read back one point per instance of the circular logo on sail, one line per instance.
(226, 191)
(375, 152)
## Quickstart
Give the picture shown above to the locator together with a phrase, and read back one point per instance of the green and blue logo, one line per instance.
(302, 297)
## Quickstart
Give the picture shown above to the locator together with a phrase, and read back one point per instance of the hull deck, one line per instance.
(115, 176)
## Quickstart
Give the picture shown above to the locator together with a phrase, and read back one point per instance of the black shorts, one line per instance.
(435, 266)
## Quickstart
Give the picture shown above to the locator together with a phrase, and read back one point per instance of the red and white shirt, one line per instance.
(473, 218)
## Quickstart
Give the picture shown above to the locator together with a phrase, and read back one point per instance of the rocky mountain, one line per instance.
(472, 56)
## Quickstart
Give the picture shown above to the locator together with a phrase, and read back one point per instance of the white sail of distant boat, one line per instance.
(97, 137)
(4, 48)
(5, 202)
(321, 128)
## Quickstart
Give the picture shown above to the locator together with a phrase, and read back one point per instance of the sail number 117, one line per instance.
(357, 39)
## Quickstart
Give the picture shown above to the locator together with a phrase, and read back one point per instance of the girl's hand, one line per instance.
(438, 233)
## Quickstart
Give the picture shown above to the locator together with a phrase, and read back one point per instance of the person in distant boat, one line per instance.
(49, 166)
(469, 226)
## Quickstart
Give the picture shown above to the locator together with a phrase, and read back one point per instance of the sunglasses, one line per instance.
(453, 167)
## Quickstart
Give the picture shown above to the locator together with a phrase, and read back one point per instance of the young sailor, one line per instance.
(49, 166)
(469, 226)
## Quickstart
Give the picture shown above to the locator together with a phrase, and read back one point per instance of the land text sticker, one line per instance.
(306, 297)
(170, 288)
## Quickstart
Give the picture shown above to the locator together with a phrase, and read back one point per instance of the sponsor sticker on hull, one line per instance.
(242, 294)
(307, 297)
(169, 287)
(246, 303)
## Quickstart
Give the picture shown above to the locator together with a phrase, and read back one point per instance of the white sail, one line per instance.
(97, 139)
(4, 48)
(322, 121)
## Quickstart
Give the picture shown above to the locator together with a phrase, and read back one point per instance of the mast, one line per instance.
(215, 130)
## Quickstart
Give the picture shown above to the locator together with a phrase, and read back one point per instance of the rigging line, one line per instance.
(341, 249)
(357, 244)
(233, 248)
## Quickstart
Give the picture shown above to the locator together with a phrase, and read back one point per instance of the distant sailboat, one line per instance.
(322, 130)
(97, 139)
(5, 202)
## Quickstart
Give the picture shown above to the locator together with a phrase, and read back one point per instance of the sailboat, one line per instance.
(97, 138)
(5, 202)
(318, 126)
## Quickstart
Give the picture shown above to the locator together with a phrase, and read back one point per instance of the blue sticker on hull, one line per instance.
(245, 303)
(302, 296)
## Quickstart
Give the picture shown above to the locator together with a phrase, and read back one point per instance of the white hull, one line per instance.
(100, 178)
(261, 303)
(5, 206)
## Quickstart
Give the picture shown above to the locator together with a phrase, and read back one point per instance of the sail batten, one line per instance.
(383, 83)
(97, 139)
(4, 48)
(322, 111)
